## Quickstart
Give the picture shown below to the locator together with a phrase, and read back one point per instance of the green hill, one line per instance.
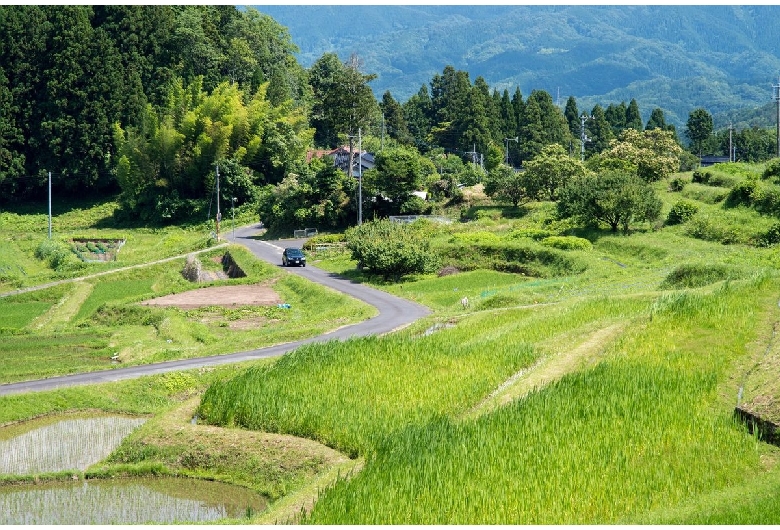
(677, 58)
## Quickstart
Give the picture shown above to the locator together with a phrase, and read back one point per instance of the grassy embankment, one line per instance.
(601, 392)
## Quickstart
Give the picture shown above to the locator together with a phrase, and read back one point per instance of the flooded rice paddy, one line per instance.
(74, 444)
(126, 501)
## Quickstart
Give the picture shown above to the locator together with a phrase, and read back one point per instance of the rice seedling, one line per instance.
(66, 445)
(114, 291)
(47, 354)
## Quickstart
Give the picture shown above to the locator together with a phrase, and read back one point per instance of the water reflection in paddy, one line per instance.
(126, 501)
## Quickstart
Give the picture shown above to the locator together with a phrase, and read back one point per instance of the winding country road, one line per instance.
(394, 313)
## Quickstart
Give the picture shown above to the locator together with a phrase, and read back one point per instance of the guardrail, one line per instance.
(306, 232)
(413, 218)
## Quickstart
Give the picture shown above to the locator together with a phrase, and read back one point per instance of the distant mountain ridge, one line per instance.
(722, 58)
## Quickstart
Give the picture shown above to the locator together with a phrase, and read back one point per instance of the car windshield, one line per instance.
(294, 253)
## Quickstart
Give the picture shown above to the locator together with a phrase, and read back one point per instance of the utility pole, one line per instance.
(360, 171)
(349, 170)
(506, 151)
(219, 214)
(731, 149)
(233, 211)
(382, 140)
(583, 137)
(776, 97)
(49, 204)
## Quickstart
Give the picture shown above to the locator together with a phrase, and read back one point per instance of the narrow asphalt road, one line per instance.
(394, 313)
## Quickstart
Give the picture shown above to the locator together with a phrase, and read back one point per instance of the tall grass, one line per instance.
(351, 394)
(647, 428)
(650, 428)
(620, 439)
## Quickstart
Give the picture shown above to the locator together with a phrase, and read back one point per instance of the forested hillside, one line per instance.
(163, 107)
(674, 57)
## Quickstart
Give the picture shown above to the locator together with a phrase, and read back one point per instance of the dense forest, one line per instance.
(154, 104)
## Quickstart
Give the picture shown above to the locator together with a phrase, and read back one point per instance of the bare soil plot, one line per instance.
(221, 295)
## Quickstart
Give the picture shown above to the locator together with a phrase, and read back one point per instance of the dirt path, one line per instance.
(547, 370)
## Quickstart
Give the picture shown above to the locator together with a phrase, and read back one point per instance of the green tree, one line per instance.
(599, 132)
(397, 172)
(506, 184)
(11, 139)
(698, 128)
(343, 101)
(507, 116)
(656, 120)
(391, 250)
(418, 112)
(171, 157)
(549, 171)
(81, 101)
(543, 123)
(451, 100)
(572, 116)
(478, 122)
(615, 198)
(633, 116)
(654, 154)
(394, 120)
(519, 105)
(616, 116)
(318, 195)
(754, 144)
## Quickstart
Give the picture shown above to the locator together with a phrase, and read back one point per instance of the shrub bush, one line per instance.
(677, 184)
(192, 269)
(743, 193)
(449, 270)
(771, 237)
(720, 180)
(323, 239)
(56, 254)
(414, 205)
(696, 275)
(701, 177)
(531, 233)
(391, 249)
(708, 229)
(772, 169)
(681, 212)
(528, 259)
(474, 238)
(567, 243)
